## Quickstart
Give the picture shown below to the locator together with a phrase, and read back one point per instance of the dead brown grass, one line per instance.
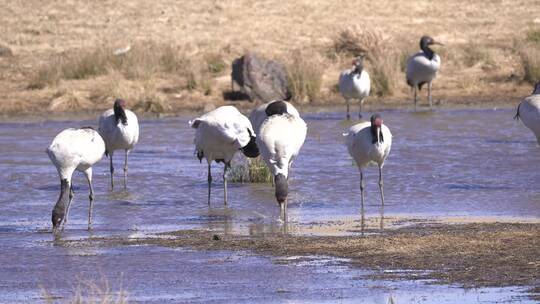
(474, 255)
(356, 41)
(530, 59)
(304, 71)
(383, 60)
(251, 171)
(90, 293)
(471, 254)
(186, 48)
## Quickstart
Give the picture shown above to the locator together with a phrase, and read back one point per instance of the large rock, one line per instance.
(260, 79)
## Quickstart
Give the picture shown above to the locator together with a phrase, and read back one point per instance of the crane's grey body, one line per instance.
(529, 112)
(367, 143)
(70, 150)
(219, 135)
(119, 128)
(422, 68)
(280, 138)
(353, 84)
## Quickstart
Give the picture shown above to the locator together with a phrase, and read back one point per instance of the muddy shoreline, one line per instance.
(457, 103)
(472, 255)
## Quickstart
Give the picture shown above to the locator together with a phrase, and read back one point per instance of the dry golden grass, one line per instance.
(304, 72)
(383, 61)
(186, 47)
(90, 293)
(530, 59)
(475, 54)
(252, 171)
(533, 36)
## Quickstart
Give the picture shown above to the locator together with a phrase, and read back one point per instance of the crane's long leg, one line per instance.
(429, 95)
(348, 108)
(111, 169)
(362, 214)
(381, 184)
(415, 89)
(209, 182)
(126, 169)
(360, 110)
(69, 204)
(227, 165)
(88, 174)
(289, 168)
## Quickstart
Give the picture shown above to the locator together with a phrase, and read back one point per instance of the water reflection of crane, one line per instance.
(363, 219)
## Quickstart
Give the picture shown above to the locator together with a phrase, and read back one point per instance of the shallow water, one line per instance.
(444, 163)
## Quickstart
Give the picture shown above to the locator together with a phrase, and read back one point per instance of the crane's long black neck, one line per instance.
(282, 188)
(251, 150)
(277, 107)
(358, 68)
(427, 50)
(536, 88)
(59, 210)
(119, 113)
(374, 130)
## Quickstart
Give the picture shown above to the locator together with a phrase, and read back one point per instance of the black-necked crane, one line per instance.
(369, 143)
(219, 135)
(70, 150)
(280, 138)
(422, 68)
(119, 128)
(529, 111)
(354, 83)
(259, 114)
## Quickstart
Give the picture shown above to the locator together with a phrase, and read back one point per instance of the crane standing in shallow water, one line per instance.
(369, 142)
(219, 135)
(280, 138)
(119, 128)
(529, 111)
(355, 84)
(422, 68)
(70, 150)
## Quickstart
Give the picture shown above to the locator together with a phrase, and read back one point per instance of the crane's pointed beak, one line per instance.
(437, 43)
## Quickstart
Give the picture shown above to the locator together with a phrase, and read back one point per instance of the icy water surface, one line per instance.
(466, 163)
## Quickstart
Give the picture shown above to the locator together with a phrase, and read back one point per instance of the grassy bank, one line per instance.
(166, 56)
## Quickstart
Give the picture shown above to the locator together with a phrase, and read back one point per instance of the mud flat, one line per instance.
(472, 255)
